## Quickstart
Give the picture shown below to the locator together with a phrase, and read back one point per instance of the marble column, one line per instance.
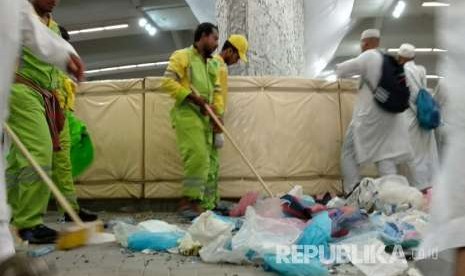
(275, 30)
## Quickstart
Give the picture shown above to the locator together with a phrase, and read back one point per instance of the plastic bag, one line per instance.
(396, 265)
(122, 231)
(220, 250)
(207, 227)
(160, 241)
(395, 190)
(336, 202)
(400, 233)
(311, 268)
(262, 235)
(308, 201)
(269, 207)
(249, 199)
(297, 191)
(82, 149)
(158, 226)
(318, 232)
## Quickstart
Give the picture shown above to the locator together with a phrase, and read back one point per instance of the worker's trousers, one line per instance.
(351, 169)
(194, 136)
(28, 195)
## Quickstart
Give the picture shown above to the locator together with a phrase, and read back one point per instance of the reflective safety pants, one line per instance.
(194, 136)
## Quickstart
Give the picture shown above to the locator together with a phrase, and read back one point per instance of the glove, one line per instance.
(219, 140)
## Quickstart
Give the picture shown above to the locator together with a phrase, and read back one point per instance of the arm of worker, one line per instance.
(47, 45)
(175, 72)
(218, 99)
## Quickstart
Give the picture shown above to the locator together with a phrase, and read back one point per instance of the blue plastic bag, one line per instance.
(318, 232)
(154, 241)
(310, 268)
(428, 111)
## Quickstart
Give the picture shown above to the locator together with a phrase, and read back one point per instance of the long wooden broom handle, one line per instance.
(228, 135)
(56, 192)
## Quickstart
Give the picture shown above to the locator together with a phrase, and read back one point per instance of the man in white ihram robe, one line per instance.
(19, 25)
(425, 161)
(374, 135)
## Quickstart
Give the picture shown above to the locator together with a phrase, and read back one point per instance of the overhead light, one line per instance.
(434, 77)
(399, 9)
(355, 76)
(142, 22)
(420, 50)
(99, 29)
(435, 4)
(152, 32)
(127, 67)
(423, 50)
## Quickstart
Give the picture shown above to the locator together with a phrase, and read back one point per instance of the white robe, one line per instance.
(447, 230)
(425, 160)
(19, 23)
(378, 135)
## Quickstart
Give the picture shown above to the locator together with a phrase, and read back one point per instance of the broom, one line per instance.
(235, 145)
(71, 237)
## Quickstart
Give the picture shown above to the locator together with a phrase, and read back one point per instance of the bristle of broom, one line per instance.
(72, 238)
(77, 236)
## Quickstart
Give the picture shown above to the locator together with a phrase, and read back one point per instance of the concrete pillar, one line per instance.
(275, 30)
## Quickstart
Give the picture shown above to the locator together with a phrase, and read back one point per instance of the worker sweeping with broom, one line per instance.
(234, 49)
(195, 67)
(37, 118)
(21, 26)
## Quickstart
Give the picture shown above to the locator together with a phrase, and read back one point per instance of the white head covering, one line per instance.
(370, 33)
(407, 50)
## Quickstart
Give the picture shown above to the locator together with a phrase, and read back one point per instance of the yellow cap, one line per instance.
(240, 43)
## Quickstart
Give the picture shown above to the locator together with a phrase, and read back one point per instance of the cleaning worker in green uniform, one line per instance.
(37, 117)
(233, 50)
(194, 66)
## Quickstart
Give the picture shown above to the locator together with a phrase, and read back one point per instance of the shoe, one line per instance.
(40, 234)
(85, 216)
(189, 209)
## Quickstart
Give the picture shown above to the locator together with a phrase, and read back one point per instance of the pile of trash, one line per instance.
(297, 234)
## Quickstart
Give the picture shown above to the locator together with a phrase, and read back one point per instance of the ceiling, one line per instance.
(416, 26)
(175, 22)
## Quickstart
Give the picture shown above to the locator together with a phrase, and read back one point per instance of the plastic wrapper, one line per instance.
(318, 232)
(262, 235)
(312, 268)
(208, 226)
(160, 241)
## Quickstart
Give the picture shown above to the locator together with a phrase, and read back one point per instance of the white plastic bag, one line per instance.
(207, 227)
(158, 226)
(395, 190)
(122, 231)
(220, 250)
(262, 234)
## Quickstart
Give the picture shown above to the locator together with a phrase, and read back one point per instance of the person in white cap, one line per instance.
(19, 25)
(425, 161)
(374, 135)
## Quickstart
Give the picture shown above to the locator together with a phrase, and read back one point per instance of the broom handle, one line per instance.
(226, 132)
(58, 195)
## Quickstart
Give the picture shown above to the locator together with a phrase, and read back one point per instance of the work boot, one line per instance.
(189, 209)
(85, 216)
(40, 234)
